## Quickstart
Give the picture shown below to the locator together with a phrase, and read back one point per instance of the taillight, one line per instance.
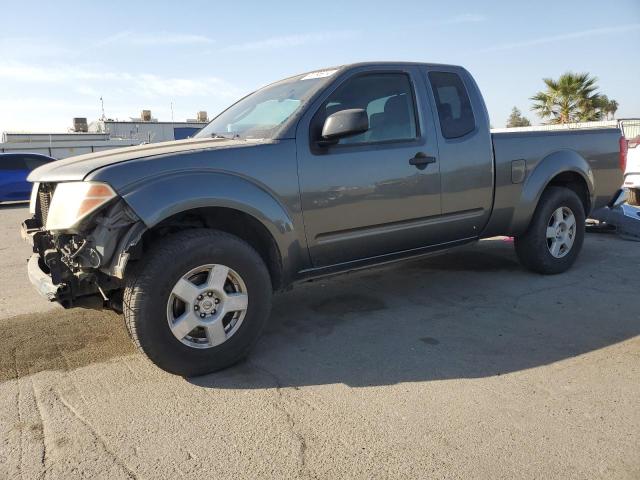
(624, 147)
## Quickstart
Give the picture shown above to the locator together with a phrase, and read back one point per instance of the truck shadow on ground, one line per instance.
(466, 314)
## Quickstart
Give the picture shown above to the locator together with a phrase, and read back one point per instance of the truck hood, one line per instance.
(78, 167)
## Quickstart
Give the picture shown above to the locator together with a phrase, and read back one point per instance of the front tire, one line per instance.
(197, 302)
(555, 235)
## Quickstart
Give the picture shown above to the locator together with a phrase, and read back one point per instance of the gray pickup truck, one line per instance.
(320, 173)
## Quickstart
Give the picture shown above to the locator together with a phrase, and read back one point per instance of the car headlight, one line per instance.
(74, 201)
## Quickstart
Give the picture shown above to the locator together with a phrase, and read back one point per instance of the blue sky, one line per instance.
(58, 58)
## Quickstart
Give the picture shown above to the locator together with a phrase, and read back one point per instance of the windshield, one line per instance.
(261, 114)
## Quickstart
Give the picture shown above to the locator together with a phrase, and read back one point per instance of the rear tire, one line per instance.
(633, 197)
(153, 302)
(555, 235)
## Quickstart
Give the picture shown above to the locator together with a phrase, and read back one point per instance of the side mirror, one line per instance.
(344, 123)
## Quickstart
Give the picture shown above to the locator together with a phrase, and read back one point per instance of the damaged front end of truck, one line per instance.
(82, 234)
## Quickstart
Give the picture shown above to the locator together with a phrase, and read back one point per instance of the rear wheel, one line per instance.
(554, 238)
(198, 301)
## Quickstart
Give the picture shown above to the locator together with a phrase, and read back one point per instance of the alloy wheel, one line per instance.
(561, 232)
(207, 306)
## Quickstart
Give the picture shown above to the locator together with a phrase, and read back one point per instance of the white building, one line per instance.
(101, 135)
(60, 145)
(146, 131)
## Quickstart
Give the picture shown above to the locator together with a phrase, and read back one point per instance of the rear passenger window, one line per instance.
(453, 104)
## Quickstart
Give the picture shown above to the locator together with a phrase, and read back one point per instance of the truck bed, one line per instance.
(598, 147)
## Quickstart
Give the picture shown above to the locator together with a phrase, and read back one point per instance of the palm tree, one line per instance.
(571, 98)
(607, 107)
(612, 108)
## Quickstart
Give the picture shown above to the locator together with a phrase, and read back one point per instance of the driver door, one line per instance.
(363, 197)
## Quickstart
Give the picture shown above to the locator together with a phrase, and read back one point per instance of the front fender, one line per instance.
(542, 174)
(158, 198)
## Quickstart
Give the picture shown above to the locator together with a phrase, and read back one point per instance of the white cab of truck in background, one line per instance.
(631, 129)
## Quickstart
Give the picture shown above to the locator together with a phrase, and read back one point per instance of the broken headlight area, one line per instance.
(81, 264)
(93, 248)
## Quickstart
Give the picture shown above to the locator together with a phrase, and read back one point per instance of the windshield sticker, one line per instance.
(321, 74)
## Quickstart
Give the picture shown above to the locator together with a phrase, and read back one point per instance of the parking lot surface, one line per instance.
(461, 365)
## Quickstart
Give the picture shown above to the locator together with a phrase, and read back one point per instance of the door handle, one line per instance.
(421, 160)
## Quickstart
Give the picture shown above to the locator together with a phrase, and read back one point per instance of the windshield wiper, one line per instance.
(235, 136)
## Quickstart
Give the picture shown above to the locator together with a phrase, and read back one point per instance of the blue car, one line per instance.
(14, 169)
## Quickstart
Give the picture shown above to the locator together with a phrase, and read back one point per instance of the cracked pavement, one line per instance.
(462, 365)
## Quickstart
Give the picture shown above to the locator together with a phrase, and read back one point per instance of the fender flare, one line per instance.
(546, 170)
(156, 199)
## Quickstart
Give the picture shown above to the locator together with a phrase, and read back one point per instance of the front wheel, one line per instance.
(554, 238)
(197, 302)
